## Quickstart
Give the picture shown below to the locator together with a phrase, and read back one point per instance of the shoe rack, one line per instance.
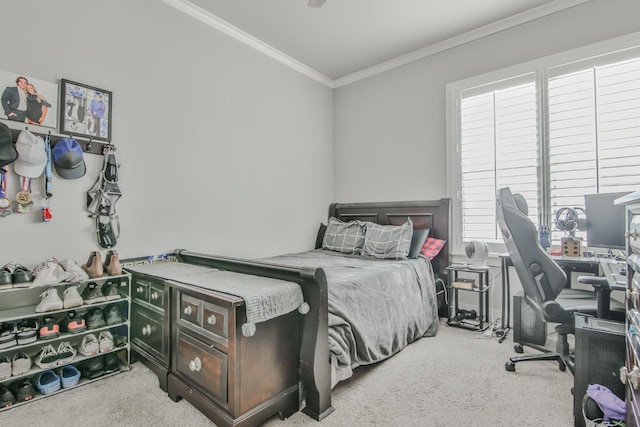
(19, 304)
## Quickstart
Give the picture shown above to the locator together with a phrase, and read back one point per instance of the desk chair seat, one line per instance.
(543, 282)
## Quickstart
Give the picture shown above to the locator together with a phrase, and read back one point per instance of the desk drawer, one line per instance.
(202, 365)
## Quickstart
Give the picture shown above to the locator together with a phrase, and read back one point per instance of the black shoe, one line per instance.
(6, 397)
(49, 329)
(8, 335)
(74, 322)
(112, 314)
(95, 319)
(93, 368)
(110, 290)
(23, 390)
(27, 331)
(111, 363)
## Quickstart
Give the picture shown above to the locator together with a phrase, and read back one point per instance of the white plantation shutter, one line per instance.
(498, 148)
(594, 133)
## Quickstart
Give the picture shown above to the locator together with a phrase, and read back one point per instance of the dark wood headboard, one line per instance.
(431, 214)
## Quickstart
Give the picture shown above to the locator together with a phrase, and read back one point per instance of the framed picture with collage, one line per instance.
(85, 111)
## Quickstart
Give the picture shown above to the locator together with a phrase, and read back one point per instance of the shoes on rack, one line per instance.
(49, 328)
(95, 318)
(93, 266)
(93, 368)
(27, 331)
(6, 277)
(6, 397)
(110, 290)
(8, 335)
(47, 358)
(89, 345)
(50, 301)
(14, 275)
(20, 364)
(112, 315)
(71, 297)
(48, 382)
(91, 294)
(111, 363)
(5, 367)
(75, 273)
(74, 322)
(69, 376)
(106, 341)
(66, 353)
(49, 272)
(112, 263)
(22, 389)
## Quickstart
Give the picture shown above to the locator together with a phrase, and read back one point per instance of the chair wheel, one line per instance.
(562, 365)
(510, 366)
(518, 348)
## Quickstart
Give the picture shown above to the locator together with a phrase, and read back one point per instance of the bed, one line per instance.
(361, 310)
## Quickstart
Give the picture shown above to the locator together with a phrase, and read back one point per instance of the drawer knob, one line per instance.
(188, 310)
(195, 365)
(140, 289)
(303, 308)
(146, 330)
(632, 234)
(211, 320)
(154, 295)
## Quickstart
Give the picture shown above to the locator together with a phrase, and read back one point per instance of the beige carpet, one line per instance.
(456, 378)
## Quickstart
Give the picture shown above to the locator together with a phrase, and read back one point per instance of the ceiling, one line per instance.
(348, 39)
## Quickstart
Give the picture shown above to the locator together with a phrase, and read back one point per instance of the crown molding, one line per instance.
(208, 18)
(494, 27)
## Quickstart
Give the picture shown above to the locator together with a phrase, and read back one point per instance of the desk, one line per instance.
(567, 264)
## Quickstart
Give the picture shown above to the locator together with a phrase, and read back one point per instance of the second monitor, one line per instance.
(605, 221)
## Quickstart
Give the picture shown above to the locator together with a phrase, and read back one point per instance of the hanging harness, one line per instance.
(101, 201)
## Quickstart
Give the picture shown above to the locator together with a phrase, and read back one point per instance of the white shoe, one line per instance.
(48, 358)
(89, 345)
(71, 297)
(106, 341)
(50, 301)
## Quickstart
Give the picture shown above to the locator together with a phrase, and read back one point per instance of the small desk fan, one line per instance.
(477, 251)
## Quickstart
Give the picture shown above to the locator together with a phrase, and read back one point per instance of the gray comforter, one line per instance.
(376, 307)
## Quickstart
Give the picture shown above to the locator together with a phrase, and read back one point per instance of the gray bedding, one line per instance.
(376, 306)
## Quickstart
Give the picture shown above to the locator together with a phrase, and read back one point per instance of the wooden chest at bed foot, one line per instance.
(233, 379)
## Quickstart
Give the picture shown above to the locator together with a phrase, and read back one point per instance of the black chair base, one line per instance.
(562, 354)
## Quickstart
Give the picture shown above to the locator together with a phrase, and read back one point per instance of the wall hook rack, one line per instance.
(88, 146)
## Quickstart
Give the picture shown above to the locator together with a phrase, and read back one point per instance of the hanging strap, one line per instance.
(5, 202)
(47, 169)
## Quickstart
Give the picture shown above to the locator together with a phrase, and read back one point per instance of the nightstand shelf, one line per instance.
(468, 319)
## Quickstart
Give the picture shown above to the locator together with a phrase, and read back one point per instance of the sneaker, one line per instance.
(89, 345)
(20, 364)
(110, 290)
(75, 273)
(106, 341)
(22, 276)
(71, 297)
(49, 272)
(6, 397)
(27, 331)
(93, 368)
(48, 358)
(74, 322)
(6, 277)
(111, 363)
(66, 353)
(50, 301)
(5, 367)
(112, 315)
(48, 382)
(91, 294)
(95, 318)
(22, 390)
(8, 335)
(49, 329)
(69, 376)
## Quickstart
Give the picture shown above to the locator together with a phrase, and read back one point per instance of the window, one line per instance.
(554, 133)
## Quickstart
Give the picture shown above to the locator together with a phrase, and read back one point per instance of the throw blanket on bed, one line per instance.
(265, 298)
(376, 307)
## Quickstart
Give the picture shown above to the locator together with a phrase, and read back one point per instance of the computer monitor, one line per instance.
(605, 221)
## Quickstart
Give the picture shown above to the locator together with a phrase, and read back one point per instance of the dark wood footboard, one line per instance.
(315, 370)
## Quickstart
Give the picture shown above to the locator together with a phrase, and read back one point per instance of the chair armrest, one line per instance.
(603, 293)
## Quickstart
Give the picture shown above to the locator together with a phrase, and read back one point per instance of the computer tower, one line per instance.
(599, 355)
(528, 325)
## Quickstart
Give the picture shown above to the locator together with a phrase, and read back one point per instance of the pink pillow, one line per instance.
(432, 247)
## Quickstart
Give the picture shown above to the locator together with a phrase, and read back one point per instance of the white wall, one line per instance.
(390, 128)
(223, 150)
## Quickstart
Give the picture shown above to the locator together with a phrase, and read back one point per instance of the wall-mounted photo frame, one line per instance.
(85, 111)
(28, 100)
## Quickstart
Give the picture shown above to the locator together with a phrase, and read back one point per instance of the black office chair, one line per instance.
(543, 283)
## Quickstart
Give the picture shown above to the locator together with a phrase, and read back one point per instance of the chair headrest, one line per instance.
(521, 203)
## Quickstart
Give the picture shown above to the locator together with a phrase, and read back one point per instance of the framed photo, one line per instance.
(28, 100)
(85, 111)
